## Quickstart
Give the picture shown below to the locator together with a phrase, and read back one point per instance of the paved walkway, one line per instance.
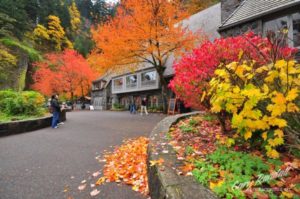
(44, 163)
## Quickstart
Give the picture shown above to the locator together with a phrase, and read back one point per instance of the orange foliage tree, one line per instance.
(67, 72)
(142, 32)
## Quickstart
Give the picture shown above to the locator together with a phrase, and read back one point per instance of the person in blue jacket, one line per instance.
(55, 111)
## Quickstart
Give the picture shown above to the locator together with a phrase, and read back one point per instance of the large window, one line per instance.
(276, 25)
(289, 22)
(131, 81)
(149, 78)
(296, 29)
(96, 86)
(118, 84)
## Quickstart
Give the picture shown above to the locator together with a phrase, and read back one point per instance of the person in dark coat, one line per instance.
(55, 111)
(144, 106)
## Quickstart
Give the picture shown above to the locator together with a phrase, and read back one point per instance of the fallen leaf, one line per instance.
(100, 181)
(81, 187)
(94, 192)
(96, 174)
(165, 151)
(156, 162)
(287, 194)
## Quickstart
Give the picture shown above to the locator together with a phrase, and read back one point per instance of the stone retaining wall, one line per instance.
(16, 127)
(164, 183)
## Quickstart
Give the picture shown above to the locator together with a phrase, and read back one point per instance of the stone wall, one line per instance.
(254, 26)
(16, 127)
(164, 183)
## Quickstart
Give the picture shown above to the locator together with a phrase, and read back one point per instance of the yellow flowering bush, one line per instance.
(260, 99)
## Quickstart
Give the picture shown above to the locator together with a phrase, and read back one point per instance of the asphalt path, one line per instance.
(52, 163)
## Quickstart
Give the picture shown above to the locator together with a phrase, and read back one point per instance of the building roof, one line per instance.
(106, 78)
(252, 9)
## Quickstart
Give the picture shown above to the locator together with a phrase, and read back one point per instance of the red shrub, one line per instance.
(194, 70)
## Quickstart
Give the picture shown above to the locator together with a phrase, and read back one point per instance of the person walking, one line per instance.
(55, 111)
(133, 107)
(144, 106)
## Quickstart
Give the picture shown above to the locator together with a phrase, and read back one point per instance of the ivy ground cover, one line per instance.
(230, 168)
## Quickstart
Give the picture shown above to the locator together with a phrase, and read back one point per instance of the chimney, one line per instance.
(228, 7)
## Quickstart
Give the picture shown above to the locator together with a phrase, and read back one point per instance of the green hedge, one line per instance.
(21, 104)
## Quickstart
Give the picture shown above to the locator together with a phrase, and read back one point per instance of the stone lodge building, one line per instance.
(228, 18)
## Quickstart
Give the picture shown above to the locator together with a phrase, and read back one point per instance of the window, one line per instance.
(149, 78)
(131, 81)
(290, 22)
(96, 86)
(296, 29)
(276, 25)
(118, 84)
(102, 84)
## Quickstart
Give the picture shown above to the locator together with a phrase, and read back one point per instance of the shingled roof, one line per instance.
(252, 9)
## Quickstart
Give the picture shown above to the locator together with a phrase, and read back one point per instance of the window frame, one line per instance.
(290, 27)
(149, 82)
(128, 84)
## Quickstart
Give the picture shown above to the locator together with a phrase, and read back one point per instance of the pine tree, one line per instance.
(75, 17)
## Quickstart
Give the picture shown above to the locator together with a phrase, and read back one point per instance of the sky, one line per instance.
(109, 1)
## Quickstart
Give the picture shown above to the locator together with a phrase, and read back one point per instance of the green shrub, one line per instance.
(240, 168)
(186, 128)
(118, 106)
(26, 103)
(193, 122)
(189, 150)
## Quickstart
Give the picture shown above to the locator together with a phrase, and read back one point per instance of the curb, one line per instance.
(163, 181)
(23, 126)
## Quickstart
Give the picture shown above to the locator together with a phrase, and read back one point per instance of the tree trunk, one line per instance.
(164, 89)
(72, 96)
(222, 120)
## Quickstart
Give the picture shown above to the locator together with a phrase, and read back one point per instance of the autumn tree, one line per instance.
(53, 37)
(66, 72)
(142, 32)
(75, 17)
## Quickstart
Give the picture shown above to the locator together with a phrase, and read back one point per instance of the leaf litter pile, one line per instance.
(126, 164)
(231, 170)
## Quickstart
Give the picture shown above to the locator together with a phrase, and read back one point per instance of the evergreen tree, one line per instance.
(16, 10)
(6, 25)
(75, 17)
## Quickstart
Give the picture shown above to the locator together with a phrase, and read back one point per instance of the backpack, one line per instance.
(50, 109)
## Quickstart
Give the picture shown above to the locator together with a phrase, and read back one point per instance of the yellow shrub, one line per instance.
(258, 97)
